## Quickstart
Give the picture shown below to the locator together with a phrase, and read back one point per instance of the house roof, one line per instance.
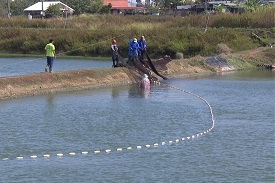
(38, 6)
(127, 8)
(116, 2)
(226, 3)
(184, 7)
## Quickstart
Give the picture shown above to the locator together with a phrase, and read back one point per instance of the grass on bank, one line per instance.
(90, 36)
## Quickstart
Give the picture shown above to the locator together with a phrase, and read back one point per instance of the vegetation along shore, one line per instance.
(238, 40)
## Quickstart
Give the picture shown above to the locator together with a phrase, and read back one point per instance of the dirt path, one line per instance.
(44, 83)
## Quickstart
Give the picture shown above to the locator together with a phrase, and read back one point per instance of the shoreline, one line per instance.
(45, 83)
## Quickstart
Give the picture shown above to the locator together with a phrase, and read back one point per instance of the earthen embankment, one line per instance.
(45, 83)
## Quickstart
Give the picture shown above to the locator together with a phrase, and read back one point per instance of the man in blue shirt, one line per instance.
(135, 49)
(142, 45)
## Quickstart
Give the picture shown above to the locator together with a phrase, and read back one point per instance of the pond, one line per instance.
(21, 66)
(103, 135)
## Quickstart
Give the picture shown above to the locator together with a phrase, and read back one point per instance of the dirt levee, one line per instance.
(43, 83)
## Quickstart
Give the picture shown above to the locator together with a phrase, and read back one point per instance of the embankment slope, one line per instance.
(44, 83)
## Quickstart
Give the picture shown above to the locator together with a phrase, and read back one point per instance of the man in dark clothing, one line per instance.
(114, 50)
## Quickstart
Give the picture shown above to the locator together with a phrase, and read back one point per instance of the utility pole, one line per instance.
(42, 11)
(66, 17)
(9, 8)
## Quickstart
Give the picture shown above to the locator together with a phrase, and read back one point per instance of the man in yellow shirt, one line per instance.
(50, 54)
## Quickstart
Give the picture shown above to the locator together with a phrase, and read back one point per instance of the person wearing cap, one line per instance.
(145, 82)
(142, 46)
(50, 54)
(135, 48)
(114, 50)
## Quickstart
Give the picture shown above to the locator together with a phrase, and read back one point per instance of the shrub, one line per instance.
(90, 35)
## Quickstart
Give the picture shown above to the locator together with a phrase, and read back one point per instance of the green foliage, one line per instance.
(106, 9)
(90, 35)
(85, 6)
(53, 11)
(17, 6)
(239, 63)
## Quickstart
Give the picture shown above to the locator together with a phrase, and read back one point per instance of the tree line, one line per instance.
(16, 7)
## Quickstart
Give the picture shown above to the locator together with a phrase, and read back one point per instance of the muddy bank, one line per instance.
(44, 83)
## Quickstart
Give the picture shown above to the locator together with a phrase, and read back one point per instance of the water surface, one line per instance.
(239, 149)
(22, 66)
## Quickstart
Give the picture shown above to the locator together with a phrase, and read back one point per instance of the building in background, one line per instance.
(38, 9)
(124, 6)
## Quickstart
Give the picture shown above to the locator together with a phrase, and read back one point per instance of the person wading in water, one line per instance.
(145, 82)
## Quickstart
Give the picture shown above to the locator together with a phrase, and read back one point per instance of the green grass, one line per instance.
(90, 35)
(239, 63)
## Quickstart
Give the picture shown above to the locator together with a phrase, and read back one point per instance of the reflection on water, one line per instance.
(145, 92)
(133, 91)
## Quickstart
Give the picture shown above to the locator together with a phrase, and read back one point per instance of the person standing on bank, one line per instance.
(50, 54)
(135, 49)
(130, 53)
(142, 46)
(114, 50)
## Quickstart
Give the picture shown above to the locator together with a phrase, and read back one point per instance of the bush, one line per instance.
(90, 35)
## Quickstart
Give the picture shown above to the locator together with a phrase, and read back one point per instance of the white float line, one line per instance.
(107, 151)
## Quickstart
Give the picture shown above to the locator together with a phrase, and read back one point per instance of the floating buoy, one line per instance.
(59, 154)
(107, 150)
(97, 151)
(46, 155)
(119, 149)
(72, 153)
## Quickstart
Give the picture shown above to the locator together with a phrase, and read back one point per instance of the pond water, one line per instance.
(21, 66)
(239, 149)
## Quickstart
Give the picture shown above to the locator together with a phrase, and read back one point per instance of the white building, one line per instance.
(39, 8)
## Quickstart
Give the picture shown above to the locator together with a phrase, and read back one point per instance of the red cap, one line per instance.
(113, 41)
